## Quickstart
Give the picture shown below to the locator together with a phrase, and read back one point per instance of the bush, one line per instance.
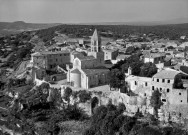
(84, 96)
(121, 107)
(67, 93)
(149, 131)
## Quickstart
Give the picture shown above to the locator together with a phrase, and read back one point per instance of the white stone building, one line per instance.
(89, 71)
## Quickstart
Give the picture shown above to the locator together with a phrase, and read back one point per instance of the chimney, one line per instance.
(129, 71)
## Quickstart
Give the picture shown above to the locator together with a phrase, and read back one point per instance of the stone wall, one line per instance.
(174, 113)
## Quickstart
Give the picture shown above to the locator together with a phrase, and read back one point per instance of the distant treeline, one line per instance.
(172, 32)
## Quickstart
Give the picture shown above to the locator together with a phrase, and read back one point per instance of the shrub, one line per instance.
(84, 96)
(67, 93)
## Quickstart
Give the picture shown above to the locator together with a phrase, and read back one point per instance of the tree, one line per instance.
(134, 62)
(155, 101)
(67, 94)
(116, 78)
(148, 69)
(84, 96)
(130, 49)
(149, 131)
(121, 107)
(178, 83)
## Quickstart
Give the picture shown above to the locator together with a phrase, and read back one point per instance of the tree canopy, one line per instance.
(155, 101)
(148, 69)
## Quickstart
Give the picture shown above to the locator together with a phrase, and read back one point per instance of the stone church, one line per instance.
(89, 71)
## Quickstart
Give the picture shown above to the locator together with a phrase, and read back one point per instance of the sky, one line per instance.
(92, 11)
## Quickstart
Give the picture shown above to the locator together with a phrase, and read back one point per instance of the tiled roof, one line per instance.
(36, 54)
(154, 55)
(76, 71)
(56, 52)
(110, 50)
(49, 53)
(94, 71)
(167, 74)
(138, 78)
(82, 58)
(122, 56)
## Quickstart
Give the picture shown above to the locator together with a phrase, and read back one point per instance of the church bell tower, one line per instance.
(95, 42)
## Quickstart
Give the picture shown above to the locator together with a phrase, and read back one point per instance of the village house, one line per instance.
(164, 81)
(50, 60)
(110, 54)
(174, 98)
(154, 58)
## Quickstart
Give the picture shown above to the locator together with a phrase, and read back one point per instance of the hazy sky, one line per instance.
(84, 11)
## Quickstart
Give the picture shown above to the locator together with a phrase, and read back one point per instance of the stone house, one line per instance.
(110, 54)
(50, 60)
(175, 100)
(139, 85)
(164, 81)
(154, 58)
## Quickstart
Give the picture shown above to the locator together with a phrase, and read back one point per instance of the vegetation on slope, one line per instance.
(116, 31)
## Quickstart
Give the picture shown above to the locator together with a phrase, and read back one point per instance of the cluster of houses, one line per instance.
(85, 68)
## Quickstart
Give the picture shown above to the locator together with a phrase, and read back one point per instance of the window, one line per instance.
(56, 60)
(163, 80)
(160, 89)
(144, 94)
(164, 100)
(157, 80)
(146, 84)
(179, 93)
(135, 83)
(168, 81)
(181, 101)
(153, 88)
(168, 90)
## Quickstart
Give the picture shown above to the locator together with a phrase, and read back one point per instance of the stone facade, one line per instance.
(154, 58)
(49, 60)
(110, 54)
(175, 100)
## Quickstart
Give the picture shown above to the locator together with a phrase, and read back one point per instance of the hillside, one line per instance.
(19, 26)
(171, 31)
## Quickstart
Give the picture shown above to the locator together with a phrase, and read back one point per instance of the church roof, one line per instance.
(94, 71)
(95, 35)
(76, 71)
(82, 58)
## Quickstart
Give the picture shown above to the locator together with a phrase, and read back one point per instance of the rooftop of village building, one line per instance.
(167, 73)
(154, 55)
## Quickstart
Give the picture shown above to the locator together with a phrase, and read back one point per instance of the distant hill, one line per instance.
(143, 23)
(19, 26)
(171, 31)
